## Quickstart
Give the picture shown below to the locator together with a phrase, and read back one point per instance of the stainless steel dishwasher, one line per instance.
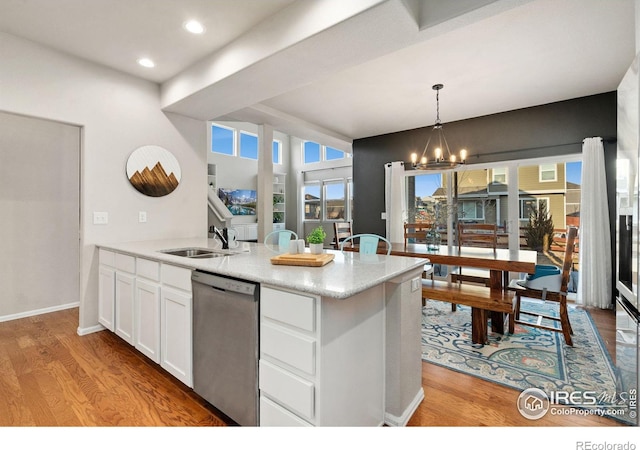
(225, 344)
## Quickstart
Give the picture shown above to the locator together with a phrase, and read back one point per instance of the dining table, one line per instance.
(500, 262)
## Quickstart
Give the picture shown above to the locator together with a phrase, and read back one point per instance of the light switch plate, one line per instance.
(100, 218)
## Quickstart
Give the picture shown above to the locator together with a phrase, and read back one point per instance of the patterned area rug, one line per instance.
(530, 358)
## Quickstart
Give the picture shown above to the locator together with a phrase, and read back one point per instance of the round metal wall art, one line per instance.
(153, 171)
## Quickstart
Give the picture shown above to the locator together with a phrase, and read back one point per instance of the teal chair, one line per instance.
(367, 243)
(278, 240)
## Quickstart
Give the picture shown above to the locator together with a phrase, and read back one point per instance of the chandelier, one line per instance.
(440, 160)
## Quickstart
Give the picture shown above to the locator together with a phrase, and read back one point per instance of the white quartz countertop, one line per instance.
(346, 275)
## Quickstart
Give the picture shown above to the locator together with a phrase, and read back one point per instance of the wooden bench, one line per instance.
(481, 299)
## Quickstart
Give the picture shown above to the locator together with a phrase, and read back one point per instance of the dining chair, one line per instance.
(417, 232)
(367, 243)
(341, 230)
(524, 289)
(278, 240)
(475, 235)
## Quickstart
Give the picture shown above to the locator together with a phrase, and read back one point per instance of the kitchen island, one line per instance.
(339, 344)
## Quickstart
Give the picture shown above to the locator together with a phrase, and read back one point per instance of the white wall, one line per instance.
(117, 113)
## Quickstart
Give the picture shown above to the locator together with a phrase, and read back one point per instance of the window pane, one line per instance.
(424, 192)
(221, 140)
(248, 146)
(276, 152)
(548, 172)
(332, 153)
(312, 202)
(311, 152)
(573, 185)
(499, 175)
(335, 200)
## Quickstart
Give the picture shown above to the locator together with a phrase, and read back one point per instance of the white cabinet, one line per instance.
(314, 352)
(125, 296)
(246, 231)
(124, 307)
(149, 305)
(279, 203)
(176, 323)
(106, 289)
(147, 308)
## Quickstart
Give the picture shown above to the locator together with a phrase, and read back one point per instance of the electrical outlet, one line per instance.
(383, 216)
(415, 284)
(142, 216)
(100, 218)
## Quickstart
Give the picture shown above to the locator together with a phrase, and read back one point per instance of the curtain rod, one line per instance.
(607, 140)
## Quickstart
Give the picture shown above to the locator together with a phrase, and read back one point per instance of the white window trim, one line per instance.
(323, 153)
(234, 131)
(248, 133)
(279, 142)
(555, 172)
(503, 172)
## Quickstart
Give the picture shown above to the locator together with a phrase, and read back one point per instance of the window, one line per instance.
(526, 206)
(277, 152)
(328, 200)
(311, 152)
(335, 200)
(222, 140)
(332, 153)
(499, 175)
(312, 202)
(248, 145)
(548, 172)
(471, 210)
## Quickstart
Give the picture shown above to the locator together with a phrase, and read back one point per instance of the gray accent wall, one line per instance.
(548, 130)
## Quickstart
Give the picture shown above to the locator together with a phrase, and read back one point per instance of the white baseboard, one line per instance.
(37, 312)
(395, 421)
(89, 330)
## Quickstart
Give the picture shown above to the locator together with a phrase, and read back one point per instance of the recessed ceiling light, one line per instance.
(146, 62)
(193, 26)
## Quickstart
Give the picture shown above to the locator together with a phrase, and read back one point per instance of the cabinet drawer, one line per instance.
(293, 309)
(274, 415)
(125, 263)
(178, 277)
(148, 269)
(287, 389)
(293, 349)
(107, 257)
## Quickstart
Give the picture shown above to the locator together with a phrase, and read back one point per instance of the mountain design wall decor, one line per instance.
(153, 171)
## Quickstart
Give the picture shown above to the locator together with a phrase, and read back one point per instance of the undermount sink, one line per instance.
(194, 252)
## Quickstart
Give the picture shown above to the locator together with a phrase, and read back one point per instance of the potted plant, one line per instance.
(316, 240)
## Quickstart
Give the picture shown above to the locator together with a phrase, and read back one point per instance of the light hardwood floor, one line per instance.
(50, 376)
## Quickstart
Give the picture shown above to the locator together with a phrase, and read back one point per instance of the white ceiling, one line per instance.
(339, 70)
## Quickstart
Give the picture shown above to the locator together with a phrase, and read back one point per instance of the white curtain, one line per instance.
(394, 200)
(595, 270)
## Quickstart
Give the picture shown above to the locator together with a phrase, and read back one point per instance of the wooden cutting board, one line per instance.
(303, 259)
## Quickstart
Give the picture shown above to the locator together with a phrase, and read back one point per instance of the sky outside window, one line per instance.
(311, 152)
(248, 146)
(221, 140)
(332, 153)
